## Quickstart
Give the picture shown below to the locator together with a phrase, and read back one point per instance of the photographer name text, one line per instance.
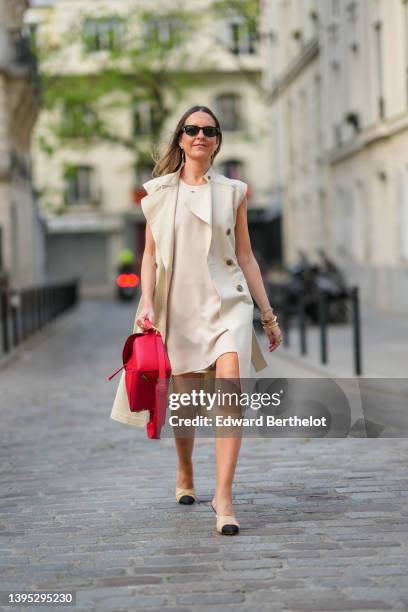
(258, 421)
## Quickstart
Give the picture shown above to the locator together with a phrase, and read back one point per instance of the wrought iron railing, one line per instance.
(24, 312)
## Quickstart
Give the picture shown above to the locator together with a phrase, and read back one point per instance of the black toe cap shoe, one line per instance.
(186, 500)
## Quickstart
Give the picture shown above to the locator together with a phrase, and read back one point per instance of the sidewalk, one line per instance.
(88, 504)
(384, 348)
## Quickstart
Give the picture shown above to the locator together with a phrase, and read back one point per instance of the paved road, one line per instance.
(87, 503)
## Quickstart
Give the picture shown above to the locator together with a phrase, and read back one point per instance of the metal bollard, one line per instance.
(31, 310)
(15, 306)
(40, 307)
(4, 321)
(286, 321)
(322, 306)
(27, 312)
(24, 327)
(302, 325)
(355, 305)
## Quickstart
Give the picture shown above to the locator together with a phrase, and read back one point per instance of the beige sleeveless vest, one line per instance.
(219, 216)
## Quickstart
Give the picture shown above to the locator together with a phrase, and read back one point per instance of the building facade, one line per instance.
(337, 73)
(93, 211)
(21, 229)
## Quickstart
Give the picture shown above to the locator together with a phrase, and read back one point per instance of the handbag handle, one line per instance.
(114, 374)
(160, 355)
(161, 358)
(160, 390)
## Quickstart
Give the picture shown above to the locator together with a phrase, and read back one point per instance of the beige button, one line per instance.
(239, 288)
(229, 262)
(228, 231)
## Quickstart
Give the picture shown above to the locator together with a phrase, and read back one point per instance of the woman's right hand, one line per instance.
(147, 312)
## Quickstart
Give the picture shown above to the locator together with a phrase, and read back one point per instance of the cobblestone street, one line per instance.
(88, 503)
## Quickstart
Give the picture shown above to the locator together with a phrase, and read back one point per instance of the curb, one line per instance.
(300, 361)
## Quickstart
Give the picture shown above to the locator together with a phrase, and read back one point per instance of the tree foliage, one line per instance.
(135, 60)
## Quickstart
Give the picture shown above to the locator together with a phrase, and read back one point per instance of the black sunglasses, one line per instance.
(208, 130)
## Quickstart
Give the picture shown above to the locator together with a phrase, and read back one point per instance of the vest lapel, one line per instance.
(159, 208)
(203, 207)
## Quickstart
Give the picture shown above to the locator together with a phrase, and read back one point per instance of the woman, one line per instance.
(197, 270)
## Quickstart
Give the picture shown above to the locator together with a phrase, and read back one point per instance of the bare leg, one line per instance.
(226, 448)
(184, 436)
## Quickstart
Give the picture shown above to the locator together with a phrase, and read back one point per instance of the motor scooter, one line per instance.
(332, 280)
(309, 280)
(127, 282)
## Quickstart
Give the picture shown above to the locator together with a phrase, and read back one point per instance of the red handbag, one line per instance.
(147, 372)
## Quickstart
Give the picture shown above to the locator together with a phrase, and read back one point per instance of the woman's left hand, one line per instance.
(275, 338)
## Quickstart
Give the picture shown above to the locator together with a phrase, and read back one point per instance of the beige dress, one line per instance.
(195, 333)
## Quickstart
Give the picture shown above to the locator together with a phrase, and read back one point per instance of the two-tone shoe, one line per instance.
(186, 496)
(226, 524)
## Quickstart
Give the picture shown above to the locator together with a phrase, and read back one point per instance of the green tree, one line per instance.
(244, 16)
(137, 65)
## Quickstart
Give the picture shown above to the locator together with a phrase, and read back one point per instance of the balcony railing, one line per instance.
(17, 54)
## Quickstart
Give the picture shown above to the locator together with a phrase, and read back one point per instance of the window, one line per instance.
(1, 248)
(232, 168)
(163, 31)
(20, 165)
(322, 218)
(352, 10)
(291, 131)
(336, 7)
(241, 36)
(105, 33)
(143, 119)
(318, 122)
(405, 9)
(143, 170)
(333, 30)
(143, 173)
(79, 185)
(402, 185)
(343, 222)
(361, 233)
(379, 66)
(229, 112)
(336, 84)
(15, 236)
(337, 134)
(20, 46)
(78, 121)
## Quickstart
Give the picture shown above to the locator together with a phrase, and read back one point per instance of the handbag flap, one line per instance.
(140, 352)
(128, 347)
(145, 358)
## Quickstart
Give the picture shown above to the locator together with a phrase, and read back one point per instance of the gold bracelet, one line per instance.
(270, 325)
(272, 320)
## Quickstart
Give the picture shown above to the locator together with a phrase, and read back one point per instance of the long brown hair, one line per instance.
(172, 159)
